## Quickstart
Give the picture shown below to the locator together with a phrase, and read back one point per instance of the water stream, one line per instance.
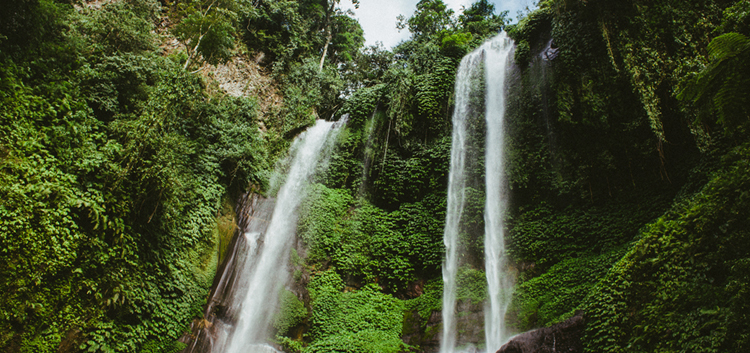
(468, 70)
(257, 269)
(491, 60)
(499, 283)
(266, 272)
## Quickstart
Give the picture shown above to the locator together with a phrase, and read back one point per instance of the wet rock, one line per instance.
(427, 338)
(469, 323)
(564, 337)
(469, 328)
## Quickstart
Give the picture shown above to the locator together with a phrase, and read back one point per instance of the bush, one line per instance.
(363, 320)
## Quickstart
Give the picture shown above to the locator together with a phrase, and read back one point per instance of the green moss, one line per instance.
(426, 304)
(292, 312)
(471, 285)
(226, 226)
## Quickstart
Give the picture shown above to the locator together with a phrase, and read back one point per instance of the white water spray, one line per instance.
(494, 55)
(499, 283)
(264, 270)
(456, 197)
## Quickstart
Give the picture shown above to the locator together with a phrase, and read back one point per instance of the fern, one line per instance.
(721, 88)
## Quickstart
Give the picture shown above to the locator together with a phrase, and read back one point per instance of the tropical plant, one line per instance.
(719, 89)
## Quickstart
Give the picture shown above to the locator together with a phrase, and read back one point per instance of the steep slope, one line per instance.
(120, 163)
(626, 197)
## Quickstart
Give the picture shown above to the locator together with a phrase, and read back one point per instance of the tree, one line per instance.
(330, 11)
(367, 67)
(348, 37)
(280, 31)
(431, 17)
(206, 29)
(480, 18)
(479, 11)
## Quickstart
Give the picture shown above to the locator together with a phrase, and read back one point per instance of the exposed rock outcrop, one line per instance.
(564, 337)
(427, 338)
(469, 325)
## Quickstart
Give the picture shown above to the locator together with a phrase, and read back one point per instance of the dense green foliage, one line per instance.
(362, 320)
(719, 87)
(366, 244)
(627, 160)
(206, 29)
(288, 30)
(626, 138)
(292, 313)
(684, 285)
(114, 165)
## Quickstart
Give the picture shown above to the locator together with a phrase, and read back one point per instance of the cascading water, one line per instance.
(254, 214)
(456, 197)
(499, 283)
(491, 58)
(261, 271)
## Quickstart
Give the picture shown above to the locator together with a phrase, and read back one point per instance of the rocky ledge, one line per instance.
(564, 337)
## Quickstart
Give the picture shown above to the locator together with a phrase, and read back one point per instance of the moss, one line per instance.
(226, 226)
(428, 302)
(292, 312)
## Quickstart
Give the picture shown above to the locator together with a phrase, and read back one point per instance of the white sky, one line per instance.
(378, 17)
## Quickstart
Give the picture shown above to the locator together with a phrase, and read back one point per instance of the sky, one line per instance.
(378, 17)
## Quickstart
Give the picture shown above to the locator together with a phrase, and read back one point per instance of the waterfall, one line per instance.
(499, 283)
(491, 59)
(456, 196)
(260, 271)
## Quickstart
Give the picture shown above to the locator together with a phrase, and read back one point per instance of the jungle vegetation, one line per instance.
(120, 162)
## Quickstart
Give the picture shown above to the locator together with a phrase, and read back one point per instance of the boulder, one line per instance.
(564, 337)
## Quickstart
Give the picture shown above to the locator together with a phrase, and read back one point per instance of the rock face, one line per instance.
(469, 324)
(426, 338)
(564, 337)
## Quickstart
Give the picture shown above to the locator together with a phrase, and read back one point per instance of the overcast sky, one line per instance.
(378, 17)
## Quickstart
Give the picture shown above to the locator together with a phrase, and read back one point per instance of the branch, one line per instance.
(191, 54)
(195, 50)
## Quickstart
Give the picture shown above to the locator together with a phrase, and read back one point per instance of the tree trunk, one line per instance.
(325, 49)
(329, 35)
(192, 54)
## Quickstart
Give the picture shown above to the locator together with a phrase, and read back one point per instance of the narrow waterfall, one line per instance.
(499, 283)
(261, 271)
(491, 59)
(468, 70)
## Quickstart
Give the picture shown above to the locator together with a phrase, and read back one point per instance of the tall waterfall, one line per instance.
(499, 284)
(262, 271)
(456, 196)
(492, 58)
